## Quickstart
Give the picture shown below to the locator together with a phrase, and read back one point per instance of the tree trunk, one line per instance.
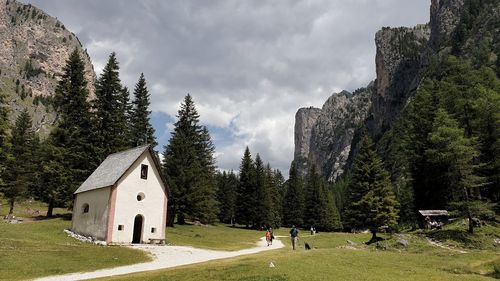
(170, 216)
(11, 207)
(50, 208)
(181, 219)
(374, 236)
(469, 214)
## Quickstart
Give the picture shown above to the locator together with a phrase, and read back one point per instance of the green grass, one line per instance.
(41, 248)
(25, 208)
(332, 259)
(456, 235)
(220, 237)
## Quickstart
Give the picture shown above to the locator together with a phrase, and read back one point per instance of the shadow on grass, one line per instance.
(66, 217)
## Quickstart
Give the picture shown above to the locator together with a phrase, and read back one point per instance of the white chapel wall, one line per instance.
(151, 207)
(94, 222)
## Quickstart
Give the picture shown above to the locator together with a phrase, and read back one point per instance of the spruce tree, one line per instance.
(142, 132)
(311, 197)
(274, 184)
(74, 133)
(204, 198)
(109, 109)
(454, 154)
(226, 195)
(189, 167)
(372, 200)
(53, 181)
(262, 195)
(320, 209)
(126, 118)
(293, 201)
(20, 166)
(4, 137)
(246, 201)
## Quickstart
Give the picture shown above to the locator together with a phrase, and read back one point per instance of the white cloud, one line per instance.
(248, 64)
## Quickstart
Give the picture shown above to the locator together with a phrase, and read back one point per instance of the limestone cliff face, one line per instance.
(34, 48)
(401, 62)
(444, 17)
(327, 132)
(305, 119)
(398, 68)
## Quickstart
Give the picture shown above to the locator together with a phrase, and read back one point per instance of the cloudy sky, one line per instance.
(249, 65)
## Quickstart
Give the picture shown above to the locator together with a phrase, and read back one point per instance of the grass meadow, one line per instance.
(333, 259)
(38, 247)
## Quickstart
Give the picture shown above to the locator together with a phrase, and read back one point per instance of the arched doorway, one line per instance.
(138, 221)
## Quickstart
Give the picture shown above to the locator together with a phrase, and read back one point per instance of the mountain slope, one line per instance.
(34, 47)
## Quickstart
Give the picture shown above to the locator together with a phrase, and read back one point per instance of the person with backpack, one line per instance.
(294, 234)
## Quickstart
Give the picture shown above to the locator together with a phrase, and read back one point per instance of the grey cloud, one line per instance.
(259, 60)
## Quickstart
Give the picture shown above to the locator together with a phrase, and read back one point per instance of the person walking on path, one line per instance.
(294, 233)
(272, 235)
(268, 237)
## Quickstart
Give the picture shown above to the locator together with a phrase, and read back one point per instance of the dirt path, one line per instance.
(441, 245)
(166, 257)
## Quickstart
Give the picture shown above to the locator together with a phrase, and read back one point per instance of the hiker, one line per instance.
(294, 233)
(313, 230)
(268, 237)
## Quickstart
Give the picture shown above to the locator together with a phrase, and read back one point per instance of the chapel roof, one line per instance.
(113, 168)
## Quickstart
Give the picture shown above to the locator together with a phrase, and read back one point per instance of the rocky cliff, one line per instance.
(34, 47)
(323, 136)
(402, 58)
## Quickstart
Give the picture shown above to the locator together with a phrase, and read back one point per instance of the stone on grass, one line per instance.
(403, 242)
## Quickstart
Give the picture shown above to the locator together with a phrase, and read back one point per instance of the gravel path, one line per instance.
(166, 257)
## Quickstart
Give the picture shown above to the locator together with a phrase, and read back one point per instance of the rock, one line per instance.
(349, 242)
(31, 39)
(271, 264)
(326, 137)
(323, 136)
(380, 245)
(305, 118)
(403, 242)
(398, 67)
(85, 239)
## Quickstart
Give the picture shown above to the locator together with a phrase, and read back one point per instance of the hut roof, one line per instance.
(433, 213)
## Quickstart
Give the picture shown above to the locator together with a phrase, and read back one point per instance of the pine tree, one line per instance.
(320, 210)
(21, 166)
(52, 177)
(4, 139)
(293, 202)
(204, 199)
(420, 117)
(311, 197)
(189, 167)
(372, 201)
(109, 109)
(246, 201)
(126, 121)
(261, 195)
(142, 131)
(226, 195)
(74, 134)
(455, 155)
(275, 181)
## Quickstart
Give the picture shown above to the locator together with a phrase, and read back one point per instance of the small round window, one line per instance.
(140, 196)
